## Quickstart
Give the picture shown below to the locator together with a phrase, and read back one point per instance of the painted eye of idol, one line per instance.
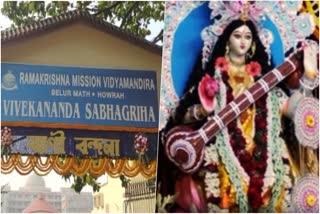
(240, 40)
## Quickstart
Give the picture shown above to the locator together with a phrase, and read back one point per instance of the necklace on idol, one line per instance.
(239, 80)
(234, 63)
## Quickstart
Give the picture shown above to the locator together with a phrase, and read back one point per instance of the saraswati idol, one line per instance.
(239, 119)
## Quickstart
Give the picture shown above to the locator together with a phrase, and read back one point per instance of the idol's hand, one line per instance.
(207, 90)
(310, 60)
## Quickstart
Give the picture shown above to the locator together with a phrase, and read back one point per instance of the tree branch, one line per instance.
(135, 4)
(105, 10)
(158, 37)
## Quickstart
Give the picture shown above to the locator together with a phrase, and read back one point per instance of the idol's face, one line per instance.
(240, 40)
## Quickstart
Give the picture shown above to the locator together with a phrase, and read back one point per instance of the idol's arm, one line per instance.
(194, 114)
(308, 82)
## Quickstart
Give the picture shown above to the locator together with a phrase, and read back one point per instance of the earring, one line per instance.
(227, 48)
(252, 50)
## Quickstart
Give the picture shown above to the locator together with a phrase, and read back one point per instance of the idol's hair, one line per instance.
(219, 50)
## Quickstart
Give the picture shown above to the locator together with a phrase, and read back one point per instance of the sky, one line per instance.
(5, 21)
(53, 180)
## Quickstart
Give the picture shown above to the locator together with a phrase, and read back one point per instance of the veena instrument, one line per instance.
(185, 147)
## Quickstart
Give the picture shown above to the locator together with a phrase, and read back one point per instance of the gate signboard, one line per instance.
(78, 111)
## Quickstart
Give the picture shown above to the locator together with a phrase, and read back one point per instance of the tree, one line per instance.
(81, 181)
(134, 16)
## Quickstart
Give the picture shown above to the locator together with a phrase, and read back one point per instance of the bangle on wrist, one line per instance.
(195, 112)
(311, 74)
(308, 83)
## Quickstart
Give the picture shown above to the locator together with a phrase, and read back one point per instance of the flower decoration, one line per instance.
(290, 6)
(306, 120)
(254, 164)
(141, 147)
(140, 144)
(207, 89)
(6, 140)
(305, 194)
(303, 25)
(311, 200)
(253, 69)
(310, 120)
(221, 64)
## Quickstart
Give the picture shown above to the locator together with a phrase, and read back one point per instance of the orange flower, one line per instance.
(253, 69)
(221, 63)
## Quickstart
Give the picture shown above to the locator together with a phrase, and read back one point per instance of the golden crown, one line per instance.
(244, 16)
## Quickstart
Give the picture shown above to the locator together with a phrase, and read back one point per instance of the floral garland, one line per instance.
(253, 68)
(212, 181)
(235, 171)
(6, 141)
(255, 165)
(277, 152)
(287, 182)
(256, 170)
(211, 157)
(141, 147)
